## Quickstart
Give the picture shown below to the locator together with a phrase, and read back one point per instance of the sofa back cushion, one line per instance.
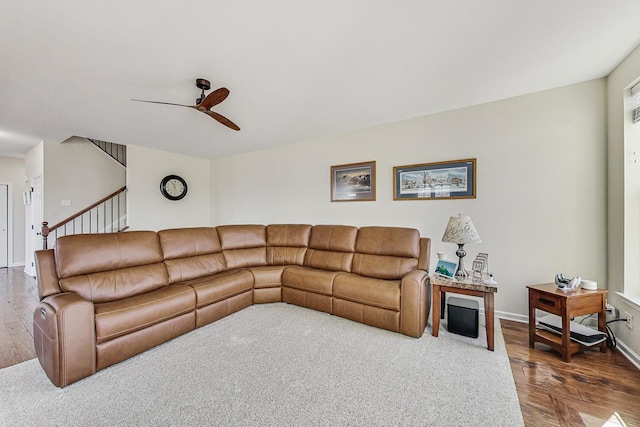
(191, 253)
(107, 267)
(243, 245)
(287, 243)
(331, 247)
(386, 252)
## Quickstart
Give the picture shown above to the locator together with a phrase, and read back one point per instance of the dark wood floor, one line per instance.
(18, 299)
(593, 388)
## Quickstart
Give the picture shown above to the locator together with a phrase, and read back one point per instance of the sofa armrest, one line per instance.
(64, 337)
(415, 302)
(425, 252)
(46, 273)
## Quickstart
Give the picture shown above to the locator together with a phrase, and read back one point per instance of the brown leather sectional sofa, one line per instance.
(107, 297)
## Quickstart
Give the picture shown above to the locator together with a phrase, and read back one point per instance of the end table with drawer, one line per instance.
(566, 304)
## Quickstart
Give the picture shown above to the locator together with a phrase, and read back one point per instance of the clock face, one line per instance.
(173, 187)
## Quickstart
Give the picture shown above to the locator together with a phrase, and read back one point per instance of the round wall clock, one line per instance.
(173, 187)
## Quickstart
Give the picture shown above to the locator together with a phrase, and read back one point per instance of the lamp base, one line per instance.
(461, 273)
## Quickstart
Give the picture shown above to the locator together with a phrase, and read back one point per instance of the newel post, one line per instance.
(45, 234)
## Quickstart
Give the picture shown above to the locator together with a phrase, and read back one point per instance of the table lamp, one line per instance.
(460, 230)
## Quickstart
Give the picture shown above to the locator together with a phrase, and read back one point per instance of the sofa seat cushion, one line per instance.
(309, 279)
(369, 291)
(221, 286)
(118, 318)
(267, 276)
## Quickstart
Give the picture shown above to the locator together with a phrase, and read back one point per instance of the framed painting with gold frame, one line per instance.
(353, 182)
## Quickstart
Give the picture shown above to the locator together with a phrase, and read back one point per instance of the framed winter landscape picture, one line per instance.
(455, 179)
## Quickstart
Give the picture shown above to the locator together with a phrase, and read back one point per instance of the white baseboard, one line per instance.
(512, 316)
(628, 353)
(17, 264)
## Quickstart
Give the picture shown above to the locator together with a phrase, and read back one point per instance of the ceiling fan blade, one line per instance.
(165, 103)
(214, 98)
(222, 119)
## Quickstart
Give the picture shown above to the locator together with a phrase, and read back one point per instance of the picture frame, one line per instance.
(446, 269)
(480, 264)
(454, 179)
(353, 182)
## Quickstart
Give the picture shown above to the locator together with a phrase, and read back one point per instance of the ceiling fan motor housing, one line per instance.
(203, 84)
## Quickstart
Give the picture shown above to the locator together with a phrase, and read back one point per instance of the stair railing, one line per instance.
(107, 215)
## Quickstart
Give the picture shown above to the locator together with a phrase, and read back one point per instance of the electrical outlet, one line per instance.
(629, 320)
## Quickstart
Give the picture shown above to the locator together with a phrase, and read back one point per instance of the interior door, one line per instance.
(4, 225)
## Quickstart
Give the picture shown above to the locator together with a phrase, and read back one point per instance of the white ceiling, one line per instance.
(296, 70)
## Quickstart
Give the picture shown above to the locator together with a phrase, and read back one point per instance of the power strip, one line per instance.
(612, 312)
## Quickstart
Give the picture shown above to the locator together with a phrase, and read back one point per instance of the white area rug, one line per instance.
(278, 364)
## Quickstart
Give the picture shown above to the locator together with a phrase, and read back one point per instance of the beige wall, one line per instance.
(541, 184)
(77, 171)
(148, 209)
(623, 201)
(12, 172)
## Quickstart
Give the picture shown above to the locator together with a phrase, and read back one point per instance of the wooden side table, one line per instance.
(441, 286)
(567, 304)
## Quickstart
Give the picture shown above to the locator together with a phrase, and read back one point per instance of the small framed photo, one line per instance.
(455, 179)
(480, 264)
(353, 182)
(446, 268)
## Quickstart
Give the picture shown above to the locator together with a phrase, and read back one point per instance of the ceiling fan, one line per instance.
(205, 103)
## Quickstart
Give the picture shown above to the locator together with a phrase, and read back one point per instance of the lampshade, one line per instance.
(461, 230)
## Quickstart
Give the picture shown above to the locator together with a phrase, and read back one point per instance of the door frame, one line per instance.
(9, 222)
(33, 225)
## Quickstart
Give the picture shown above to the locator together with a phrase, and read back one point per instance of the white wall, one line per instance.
(148, 209)
(12, 173)
(541, 184)
(77, 171)
(623, 201)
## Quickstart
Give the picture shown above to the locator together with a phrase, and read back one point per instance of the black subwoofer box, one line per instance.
(462, 316)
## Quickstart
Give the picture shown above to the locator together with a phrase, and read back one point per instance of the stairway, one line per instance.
(118, 152)
(107, 215)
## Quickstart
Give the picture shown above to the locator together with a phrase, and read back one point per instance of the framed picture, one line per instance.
(446, 268)
(454, 179)
(353, 182)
